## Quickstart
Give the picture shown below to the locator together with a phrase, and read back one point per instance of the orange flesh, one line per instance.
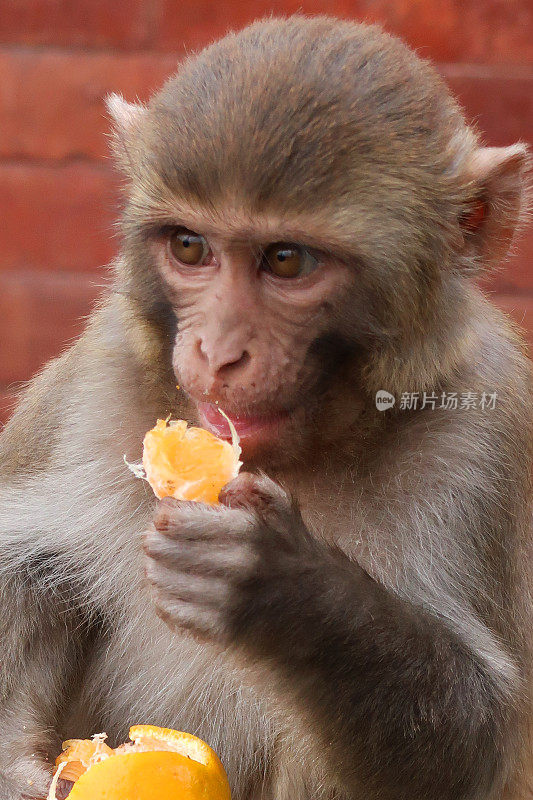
(80, 754)
(188, 463)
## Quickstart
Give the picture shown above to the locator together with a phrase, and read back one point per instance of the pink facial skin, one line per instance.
(244, 334)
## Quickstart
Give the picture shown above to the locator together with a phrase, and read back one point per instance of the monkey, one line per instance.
(306, 211)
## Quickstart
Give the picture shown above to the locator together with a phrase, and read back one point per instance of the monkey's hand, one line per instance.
(377, 673)
(220, 571)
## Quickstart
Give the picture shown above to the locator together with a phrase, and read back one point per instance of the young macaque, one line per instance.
(306, 210)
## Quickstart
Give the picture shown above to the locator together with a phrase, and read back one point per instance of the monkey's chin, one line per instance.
(257, 434)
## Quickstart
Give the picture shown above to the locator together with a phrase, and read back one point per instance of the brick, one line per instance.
(97, 23)
(52, 103)
(195, 23)
(58, 218)
(516, 274)
(520, 309)
(500, 104)
(493, 31)
(39, 315)
(135, 24)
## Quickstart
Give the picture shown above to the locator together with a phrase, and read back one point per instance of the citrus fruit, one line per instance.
(188, 463)
(79, 754)
(158, 763)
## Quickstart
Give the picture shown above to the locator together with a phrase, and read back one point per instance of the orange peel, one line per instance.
(157, 762)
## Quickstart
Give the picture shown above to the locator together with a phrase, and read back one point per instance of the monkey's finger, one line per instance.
(257, 492)
(266, 500)
(203, 591)
(217, 558)
(198, 521)
(167, 509)
(187, 616)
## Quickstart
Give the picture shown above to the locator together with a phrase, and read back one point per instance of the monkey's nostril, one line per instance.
(222, 358)
(238, 363)
(200, 350)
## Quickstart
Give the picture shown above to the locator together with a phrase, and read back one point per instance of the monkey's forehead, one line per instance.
(287, 113)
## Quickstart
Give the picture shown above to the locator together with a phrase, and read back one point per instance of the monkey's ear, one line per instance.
(500, 201)
(127, 118)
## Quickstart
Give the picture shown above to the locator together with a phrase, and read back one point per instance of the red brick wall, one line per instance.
(58, 58)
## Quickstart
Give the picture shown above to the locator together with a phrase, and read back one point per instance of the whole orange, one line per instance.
(159, 763)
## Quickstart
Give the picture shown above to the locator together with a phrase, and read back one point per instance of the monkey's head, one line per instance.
(305, 201)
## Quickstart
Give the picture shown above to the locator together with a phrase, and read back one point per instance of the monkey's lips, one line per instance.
(250, 428)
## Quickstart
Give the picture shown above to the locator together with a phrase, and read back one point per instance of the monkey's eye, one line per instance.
(287, 260)
(188, 247)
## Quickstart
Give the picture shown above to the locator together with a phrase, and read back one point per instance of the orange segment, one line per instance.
(80, 754)
(73, 770)
(188, 463)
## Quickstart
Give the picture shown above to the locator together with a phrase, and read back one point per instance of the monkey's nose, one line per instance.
(223, 361)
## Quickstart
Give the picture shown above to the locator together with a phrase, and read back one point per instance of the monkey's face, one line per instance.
(253, 306)
(299, 188)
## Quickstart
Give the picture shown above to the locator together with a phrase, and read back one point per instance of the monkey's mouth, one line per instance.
(250, 427)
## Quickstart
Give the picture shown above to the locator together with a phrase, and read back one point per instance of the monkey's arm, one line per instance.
(38, 656)
(41, 634)
(401, 705)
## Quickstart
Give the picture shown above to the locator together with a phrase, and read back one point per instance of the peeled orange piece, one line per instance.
(158, 763)
(189, 463)
(79, 754)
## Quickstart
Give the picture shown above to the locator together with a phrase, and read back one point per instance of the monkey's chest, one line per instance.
(144, 673)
